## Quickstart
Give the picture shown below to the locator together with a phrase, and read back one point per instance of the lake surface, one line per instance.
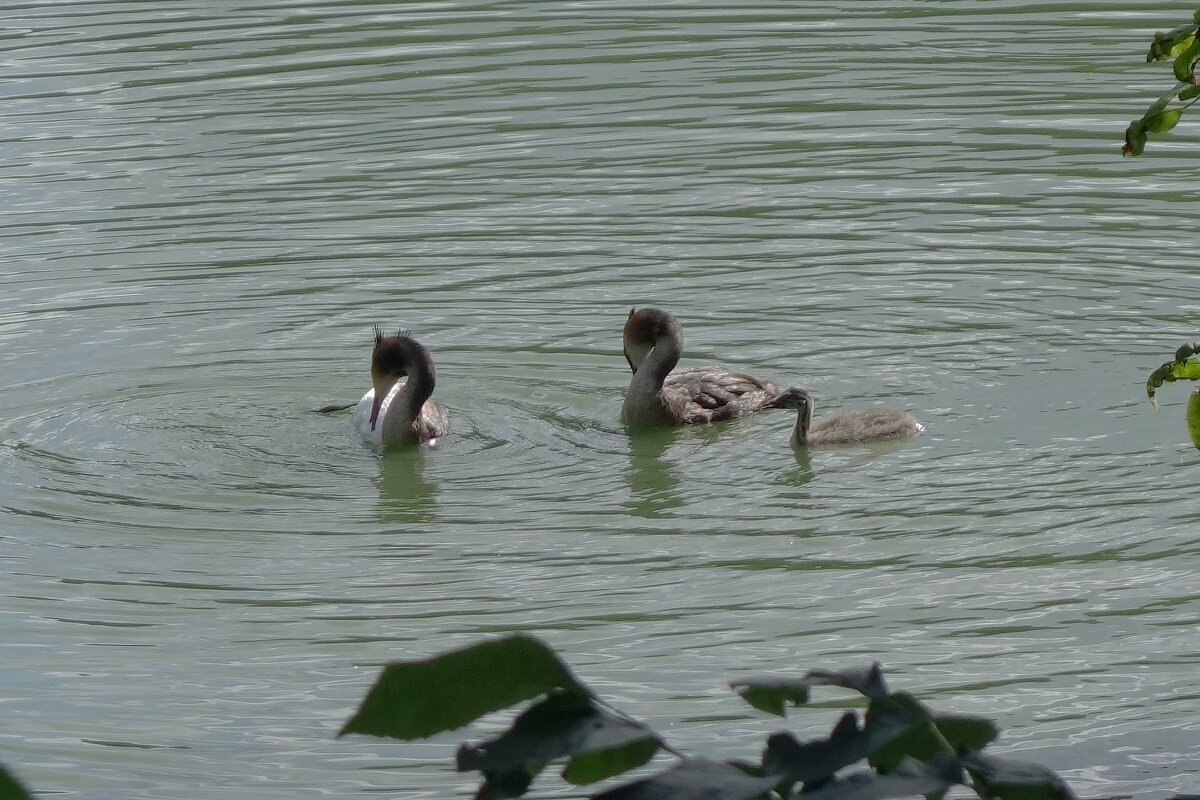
(919, 205)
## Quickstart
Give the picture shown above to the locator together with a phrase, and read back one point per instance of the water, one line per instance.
(919, 205)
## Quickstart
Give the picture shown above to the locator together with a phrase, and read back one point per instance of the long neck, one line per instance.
(643, 402)
(405, 407)
(803, 421)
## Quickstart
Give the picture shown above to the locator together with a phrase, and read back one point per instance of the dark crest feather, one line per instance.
(401, 333)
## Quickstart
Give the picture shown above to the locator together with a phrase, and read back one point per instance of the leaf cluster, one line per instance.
(1182, 367)
(908, 750)
(1181, 47)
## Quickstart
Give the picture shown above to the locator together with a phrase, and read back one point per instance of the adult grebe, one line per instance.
(398, 411)
(843, 427)
(658, 396)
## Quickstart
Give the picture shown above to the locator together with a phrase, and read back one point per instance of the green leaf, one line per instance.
(1164, 121)
(1167, 44)
(596, 765)
(564, 724)
(1189, 93)
(694, 779)
(772, 694)
(1170, 372)
(1009, 779)
(415, 699)
(964, 732)
(1185, 62)
(1193, 418)
(10, 788)
(919, 739)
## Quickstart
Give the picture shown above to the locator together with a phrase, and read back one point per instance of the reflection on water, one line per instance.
(405, 496)
(653, 482)
(803, 473)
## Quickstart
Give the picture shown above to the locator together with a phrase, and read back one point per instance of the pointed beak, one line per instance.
(383, 387)
(375, 406)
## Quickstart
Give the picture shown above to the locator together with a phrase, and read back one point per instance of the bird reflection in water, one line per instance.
(405, 495)
(653, 483)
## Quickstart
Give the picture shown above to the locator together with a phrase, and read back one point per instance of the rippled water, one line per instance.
(917, 204)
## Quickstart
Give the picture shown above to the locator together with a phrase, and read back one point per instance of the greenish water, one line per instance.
(915, 204)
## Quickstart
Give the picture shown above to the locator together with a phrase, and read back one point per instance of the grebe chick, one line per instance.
(397, 409)
(657, 396)
(844, 427)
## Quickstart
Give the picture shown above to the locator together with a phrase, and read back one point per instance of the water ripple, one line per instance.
(918, 207)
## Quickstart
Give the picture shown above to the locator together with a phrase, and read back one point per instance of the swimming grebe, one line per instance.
(843, 427)
(658, 396)
(398, 411)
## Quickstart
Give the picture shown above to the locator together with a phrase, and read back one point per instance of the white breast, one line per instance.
(362, 414)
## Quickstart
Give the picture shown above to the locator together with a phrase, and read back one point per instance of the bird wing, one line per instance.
(712, 394)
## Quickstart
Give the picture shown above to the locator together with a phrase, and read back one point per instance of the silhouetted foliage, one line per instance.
(10, 789)
(911, 751)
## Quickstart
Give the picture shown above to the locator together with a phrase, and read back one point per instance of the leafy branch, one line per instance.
(1181, 47)
(1183, 367)
(909, 750)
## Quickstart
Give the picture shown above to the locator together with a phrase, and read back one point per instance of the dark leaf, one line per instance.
(564, 724)
(815, 759)
(1008, 779)
(1135, 138)
(505, 784)
(910, 780)
(1189, 93)
(694, 779)
(963, 732)
(1188, 350)
(10, 789)
(918, 738)
(818, 759)
(881, 729)
(415, 699)
(772, 694)
(867, 681)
